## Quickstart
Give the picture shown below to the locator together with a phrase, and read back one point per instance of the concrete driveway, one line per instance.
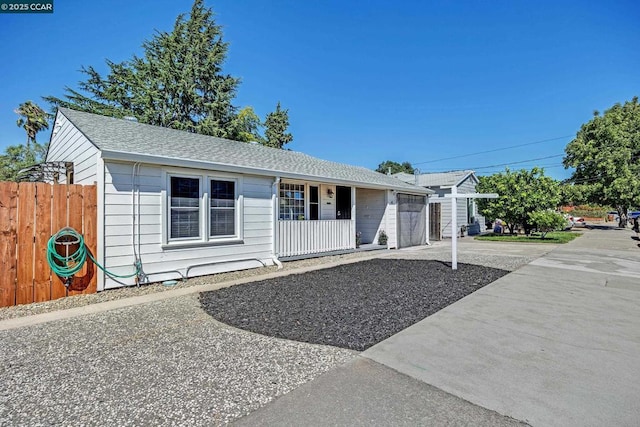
(555, 343)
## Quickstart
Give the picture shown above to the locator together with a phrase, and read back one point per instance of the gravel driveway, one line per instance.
(170, 362)
(162, 363)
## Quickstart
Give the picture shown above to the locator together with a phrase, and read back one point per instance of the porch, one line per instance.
(322, 219)
(300, 238)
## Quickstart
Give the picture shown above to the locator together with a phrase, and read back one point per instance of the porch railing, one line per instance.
(312, 237)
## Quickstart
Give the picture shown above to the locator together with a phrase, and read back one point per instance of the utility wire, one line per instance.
(547, 166)
(493, 150)
(515, 163)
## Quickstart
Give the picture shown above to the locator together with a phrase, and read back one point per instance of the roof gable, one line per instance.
(440, 179)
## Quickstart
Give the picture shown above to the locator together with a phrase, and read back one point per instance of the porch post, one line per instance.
(274, 199)
(428, 226)
(352, 238)
(454, 228)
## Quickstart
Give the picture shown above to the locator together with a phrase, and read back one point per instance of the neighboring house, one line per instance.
(183, 204)
(462, 182)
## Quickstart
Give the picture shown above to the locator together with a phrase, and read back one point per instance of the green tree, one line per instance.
(33, 119)
(248, 126)
(519, 192)
(547, 220)
(574, 194)
(276, 124)
(395, 167)
(177, 83)
(17, 158)
(606, 155)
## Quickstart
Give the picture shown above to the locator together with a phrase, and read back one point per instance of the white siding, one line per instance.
(466, 187)
(391, 220)
(327, 204)
(370, 211)
(469, 186)
(68, 144)
(256, 213)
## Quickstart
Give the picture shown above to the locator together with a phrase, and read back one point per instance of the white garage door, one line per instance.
(412, 221)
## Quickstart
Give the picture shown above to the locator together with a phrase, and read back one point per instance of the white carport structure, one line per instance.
(454, 196)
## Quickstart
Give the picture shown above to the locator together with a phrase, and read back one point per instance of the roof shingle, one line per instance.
(112, 135)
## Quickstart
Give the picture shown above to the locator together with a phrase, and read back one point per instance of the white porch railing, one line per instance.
(312, 237)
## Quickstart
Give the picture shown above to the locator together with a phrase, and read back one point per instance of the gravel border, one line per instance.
(351, 306)
(152, 288)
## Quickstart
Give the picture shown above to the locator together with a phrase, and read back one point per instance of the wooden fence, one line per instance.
(29, 214)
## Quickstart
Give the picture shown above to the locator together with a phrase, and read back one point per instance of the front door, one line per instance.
(343, 202)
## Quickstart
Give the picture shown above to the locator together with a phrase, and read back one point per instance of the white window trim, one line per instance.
(205, 184)
(168, 211)
(305, 185)
(237, 234)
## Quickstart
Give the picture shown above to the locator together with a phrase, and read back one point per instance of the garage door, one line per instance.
(412, 222)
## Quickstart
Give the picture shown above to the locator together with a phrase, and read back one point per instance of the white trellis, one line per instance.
(454, 196)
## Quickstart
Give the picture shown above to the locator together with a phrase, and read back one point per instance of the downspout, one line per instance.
(428, 220)
(274, 199)
(135, 222)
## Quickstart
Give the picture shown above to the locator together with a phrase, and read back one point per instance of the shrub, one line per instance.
(547, 220)
(382, 238)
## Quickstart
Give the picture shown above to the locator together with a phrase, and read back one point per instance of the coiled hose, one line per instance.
(68, 265)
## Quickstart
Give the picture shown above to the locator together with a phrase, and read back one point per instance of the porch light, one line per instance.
(329, 193)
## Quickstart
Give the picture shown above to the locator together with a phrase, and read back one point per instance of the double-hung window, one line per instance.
(184, 222)
(222, 210)
(202, 209)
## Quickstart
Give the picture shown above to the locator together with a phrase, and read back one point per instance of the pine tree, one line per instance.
(276, 125)
(177, 83)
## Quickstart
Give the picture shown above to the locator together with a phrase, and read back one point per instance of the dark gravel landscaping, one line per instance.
(351, 306)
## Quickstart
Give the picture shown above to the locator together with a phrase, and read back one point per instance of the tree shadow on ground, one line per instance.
(602, 227)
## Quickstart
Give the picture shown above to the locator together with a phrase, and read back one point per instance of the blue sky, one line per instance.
(369, 81)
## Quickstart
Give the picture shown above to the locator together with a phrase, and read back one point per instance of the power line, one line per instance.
(492, 151)
(547, 166)
(515, 163)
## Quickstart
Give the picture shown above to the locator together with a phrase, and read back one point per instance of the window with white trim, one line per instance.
(222, 209)
(291, 201)
(202, 208)
(184, 207)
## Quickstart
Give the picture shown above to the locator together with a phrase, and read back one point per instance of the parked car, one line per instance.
(633, 214)
(577, 221)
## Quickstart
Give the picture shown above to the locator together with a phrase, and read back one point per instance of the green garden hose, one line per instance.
(68, 265)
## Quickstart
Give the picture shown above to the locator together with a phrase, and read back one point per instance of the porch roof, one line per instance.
(121, 139)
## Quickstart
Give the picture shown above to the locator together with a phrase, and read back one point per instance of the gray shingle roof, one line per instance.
(442, 179)
(112, 135)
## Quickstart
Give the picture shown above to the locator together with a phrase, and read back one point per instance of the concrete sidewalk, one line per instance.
(555, 343)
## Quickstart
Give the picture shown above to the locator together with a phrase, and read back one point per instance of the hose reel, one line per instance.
(67, 265)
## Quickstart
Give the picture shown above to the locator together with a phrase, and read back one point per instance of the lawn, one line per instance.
(552, 237)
